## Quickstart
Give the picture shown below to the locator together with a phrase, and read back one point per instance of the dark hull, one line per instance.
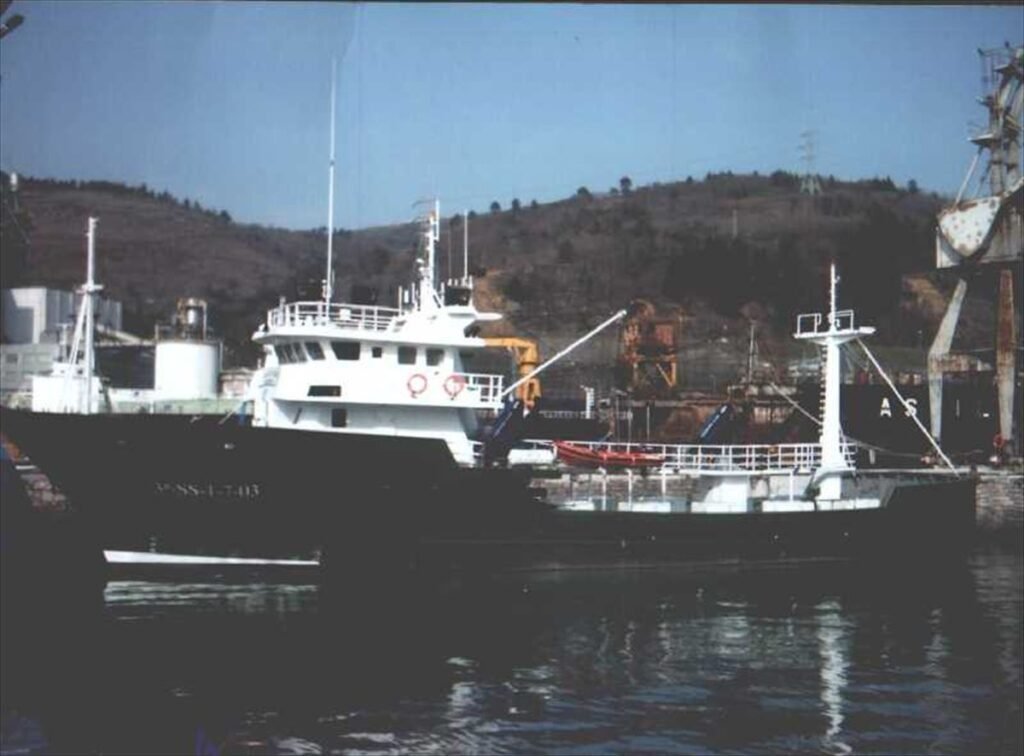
(385, 505)
(201, 485)
(920, 519)
(872, 414)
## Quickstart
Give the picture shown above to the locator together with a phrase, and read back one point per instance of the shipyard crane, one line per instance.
(986, 229)
(527, 358)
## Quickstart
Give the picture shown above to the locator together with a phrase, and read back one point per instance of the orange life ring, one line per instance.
(416, 384)
(454, 384)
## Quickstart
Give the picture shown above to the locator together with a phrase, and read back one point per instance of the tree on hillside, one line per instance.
(583, 193)
(516, 205)
(495, 207)
(625, 184)
(912, 187)
(533, 204)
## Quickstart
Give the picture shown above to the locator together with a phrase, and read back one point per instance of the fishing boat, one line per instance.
(642, 505)
(353, 405)
(361, 421)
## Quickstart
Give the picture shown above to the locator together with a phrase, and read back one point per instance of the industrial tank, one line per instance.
(187, 364)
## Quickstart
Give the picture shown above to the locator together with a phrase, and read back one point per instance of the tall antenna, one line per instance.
(809, 183)
(451, 275)
(89, 304)
(329, 283)
(465, 246)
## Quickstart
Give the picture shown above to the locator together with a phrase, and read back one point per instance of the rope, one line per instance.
(233, 411)
(910, 411)
(796, 405)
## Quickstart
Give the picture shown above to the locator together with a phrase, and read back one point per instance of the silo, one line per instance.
(187, 363)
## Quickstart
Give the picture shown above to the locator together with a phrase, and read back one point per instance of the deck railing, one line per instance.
(815, 322)
(485, 388)
(724, 458)
(347, 316)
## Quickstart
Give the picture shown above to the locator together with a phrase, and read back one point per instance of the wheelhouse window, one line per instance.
(324, 391)
(314, 350)
(297, 352)
(434, 356)
(339, 417)
(346, 350)
(406, 355)
(284, 356)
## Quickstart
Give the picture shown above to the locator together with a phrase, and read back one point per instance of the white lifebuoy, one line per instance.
(416, 384)
(454, 384)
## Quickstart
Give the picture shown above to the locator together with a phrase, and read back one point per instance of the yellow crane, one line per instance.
(527, 358)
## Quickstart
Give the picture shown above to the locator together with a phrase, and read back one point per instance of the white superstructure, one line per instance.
(401, 371)
(737, 479)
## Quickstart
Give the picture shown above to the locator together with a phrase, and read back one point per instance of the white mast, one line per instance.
(465, 246)
(88, 292)
(329, 283)
(840, 330)
(428, 299)
(832, 456)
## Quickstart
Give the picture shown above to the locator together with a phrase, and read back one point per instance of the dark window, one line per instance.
(434, 356)
(406, 355)
(284, 356)
(297, 352)
(377, 352)
(314, 350)
(339, 417)
(324, 391)
(346, 350)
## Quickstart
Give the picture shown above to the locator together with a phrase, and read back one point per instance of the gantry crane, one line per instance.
(985, 230)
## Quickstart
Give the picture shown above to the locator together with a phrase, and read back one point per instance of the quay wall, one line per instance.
(1001, 502)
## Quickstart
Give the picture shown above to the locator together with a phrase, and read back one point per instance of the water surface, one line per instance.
(823, 659)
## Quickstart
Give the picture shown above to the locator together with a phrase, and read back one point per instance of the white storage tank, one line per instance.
(186, 369)
(187, 364)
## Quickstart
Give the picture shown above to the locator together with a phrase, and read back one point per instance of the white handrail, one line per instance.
(367, 317)
(723, 457)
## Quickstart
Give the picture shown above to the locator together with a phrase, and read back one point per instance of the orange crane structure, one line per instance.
(647, 366)
(527, 358)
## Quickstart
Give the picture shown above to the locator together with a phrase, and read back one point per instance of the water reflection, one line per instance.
(833, 660)
(832, 648)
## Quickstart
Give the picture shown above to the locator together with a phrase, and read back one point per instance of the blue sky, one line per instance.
(227, 103)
